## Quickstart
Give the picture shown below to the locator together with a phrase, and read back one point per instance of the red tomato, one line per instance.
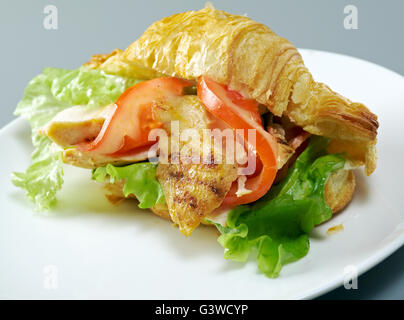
(240, 113)
(129, 125)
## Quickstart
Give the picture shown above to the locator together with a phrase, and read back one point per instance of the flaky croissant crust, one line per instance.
(251, 59)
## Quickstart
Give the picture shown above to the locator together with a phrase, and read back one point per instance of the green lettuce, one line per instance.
(140, 180)
(47, 94)
(277, 226)
(44, 177)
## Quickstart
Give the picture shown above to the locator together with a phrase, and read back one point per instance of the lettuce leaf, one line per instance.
(277, 226)
(44, 177)
(140, 180)
(47, 94)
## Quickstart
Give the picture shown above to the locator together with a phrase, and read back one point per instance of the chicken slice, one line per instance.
(78, 124)
(75, 125)
(192, 190)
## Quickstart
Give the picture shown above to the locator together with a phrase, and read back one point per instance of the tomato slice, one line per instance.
(129, 124)
(240, 113)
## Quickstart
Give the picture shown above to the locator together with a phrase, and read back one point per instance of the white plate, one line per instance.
(88, 248)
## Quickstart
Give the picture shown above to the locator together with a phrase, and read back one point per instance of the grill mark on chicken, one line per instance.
(215, 190)
(282, 141)
(209, 184)
(187, 199)
(192, 190)
(177, 175)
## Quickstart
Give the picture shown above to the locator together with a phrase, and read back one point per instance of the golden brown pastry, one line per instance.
(251, 59)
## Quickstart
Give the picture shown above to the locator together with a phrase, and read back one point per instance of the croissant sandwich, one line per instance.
(207, 118)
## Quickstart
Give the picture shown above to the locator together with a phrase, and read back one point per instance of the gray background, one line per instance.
(87, 27)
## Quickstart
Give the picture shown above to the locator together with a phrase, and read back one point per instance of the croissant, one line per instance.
(251, 59)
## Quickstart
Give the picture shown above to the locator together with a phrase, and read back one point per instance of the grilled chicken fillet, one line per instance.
(192, 190)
